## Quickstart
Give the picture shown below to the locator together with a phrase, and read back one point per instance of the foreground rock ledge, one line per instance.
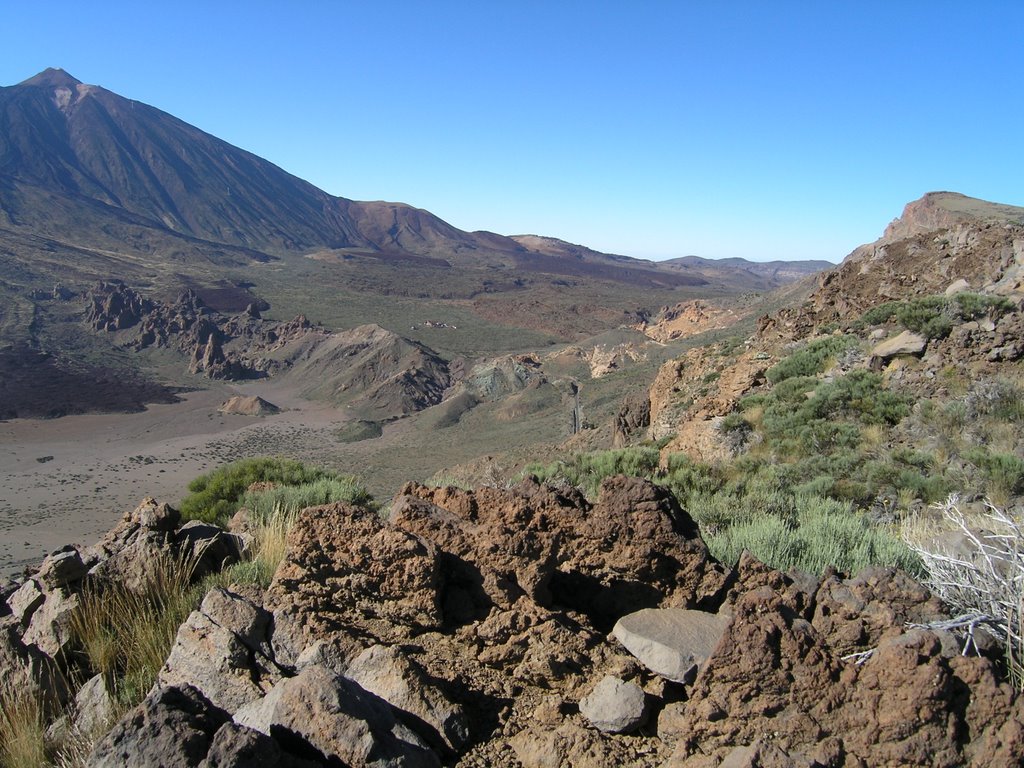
(474, 629)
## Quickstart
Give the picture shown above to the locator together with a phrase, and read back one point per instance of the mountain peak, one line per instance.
(942, 210)
(52, 78)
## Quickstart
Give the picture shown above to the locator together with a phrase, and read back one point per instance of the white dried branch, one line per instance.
(985, 580)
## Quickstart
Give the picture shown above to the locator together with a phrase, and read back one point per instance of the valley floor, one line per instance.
(69, 480)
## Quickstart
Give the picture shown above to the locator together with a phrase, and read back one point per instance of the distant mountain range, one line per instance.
(86, 168)
(98, 188)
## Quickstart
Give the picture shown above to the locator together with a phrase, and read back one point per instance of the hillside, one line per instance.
(808, 487)
(97, 187)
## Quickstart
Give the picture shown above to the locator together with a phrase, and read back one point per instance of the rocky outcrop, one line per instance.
(252, 405)
(633, 418)
(38, 650)
(367, 366)
(371, 368)
(691, 394)
(941, 239)
(475, 628)
(115, 307)
(689, 318)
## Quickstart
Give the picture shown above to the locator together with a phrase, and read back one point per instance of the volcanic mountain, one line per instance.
(96, 187)
(76, 158)
(85, 167)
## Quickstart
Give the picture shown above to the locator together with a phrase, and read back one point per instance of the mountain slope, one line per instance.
(95, 186)
(79, 158)
(63, 137)
(939, 240)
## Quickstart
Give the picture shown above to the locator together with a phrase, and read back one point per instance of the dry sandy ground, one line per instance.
(69, 480)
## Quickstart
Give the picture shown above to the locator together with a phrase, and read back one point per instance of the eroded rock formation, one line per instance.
(474, 628)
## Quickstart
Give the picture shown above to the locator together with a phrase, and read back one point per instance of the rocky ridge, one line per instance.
(478, 628)
(367, 365)
(943, 245)
(940, 240)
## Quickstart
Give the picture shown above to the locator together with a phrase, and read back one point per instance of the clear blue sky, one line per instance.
(654, 129)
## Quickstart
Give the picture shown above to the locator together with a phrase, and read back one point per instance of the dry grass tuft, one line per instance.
(126, 635)
(22, 730)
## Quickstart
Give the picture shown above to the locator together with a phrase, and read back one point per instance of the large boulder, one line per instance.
(388, 673)
(62, 568)
(338, 718)
(206, 548)
(223, 650)
(637, 549)
(50, 627)
(94, 706)
(25, 601)
(24, 669)
(127, 552)
(905, 701)
(905, 343)
(172, 728)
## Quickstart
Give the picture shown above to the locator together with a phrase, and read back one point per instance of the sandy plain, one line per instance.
(69, 480)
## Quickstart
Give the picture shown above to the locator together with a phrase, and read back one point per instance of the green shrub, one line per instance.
(1004, 472)
(881, 313)
(290, 499)
(812, 359)
(934, 316)
(861, 395)
(587, 470)
(214, 497)
(825, 532)
(924, 315)
(803, 417)
(684, 477)
(971, 306)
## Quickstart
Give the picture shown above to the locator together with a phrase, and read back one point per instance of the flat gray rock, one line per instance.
(614, 706)
(906, 343)
(671, 642)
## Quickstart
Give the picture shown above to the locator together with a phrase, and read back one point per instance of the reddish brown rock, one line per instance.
(344, 567)
(770, 663)
(634, 548)
(856, 614)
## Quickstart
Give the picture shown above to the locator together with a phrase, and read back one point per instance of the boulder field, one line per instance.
(529, 627)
